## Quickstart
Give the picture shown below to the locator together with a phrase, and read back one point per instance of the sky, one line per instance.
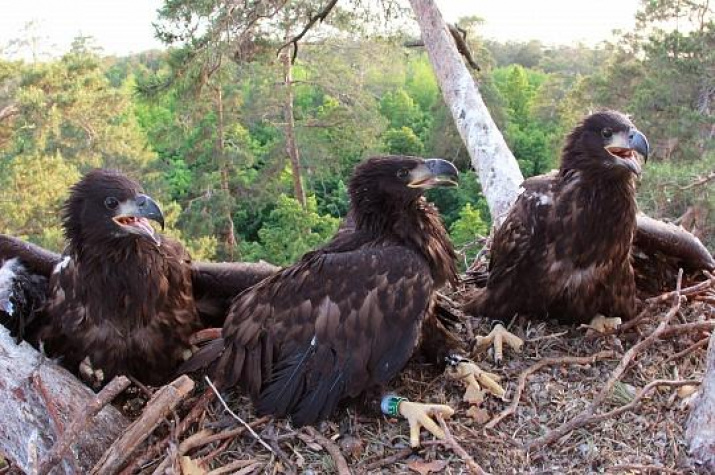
(121, 27)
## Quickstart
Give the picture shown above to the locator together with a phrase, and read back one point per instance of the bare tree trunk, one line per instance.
(291, 146)
(230, 232)
(700, 430)
(38, 401)
(498, 170)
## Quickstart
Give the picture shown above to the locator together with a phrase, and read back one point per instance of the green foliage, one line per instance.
(465, 233)
(290, 231)
(402, 141)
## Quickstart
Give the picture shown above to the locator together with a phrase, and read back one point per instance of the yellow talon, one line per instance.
(497, 337)
(602, 324)
(420, 415)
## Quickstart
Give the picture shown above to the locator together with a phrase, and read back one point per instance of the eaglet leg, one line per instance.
(475, 379)
(602, 324)
(497, 337)
(92, 377)
(420, 415)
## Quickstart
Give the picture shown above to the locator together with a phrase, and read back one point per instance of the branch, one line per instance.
(524, 376)
(163, 402)
(9, 111)
(341, 466)
(80, 422)
(321, 15)
(587, 415)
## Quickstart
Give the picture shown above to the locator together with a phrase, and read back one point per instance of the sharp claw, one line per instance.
(497, 337)
(420, 415)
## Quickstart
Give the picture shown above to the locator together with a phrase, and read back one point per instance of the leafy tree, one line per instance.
(465, 233)
(402, 141)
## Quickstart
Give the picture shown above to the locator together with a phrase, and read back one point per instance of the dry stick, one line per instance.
(340, 464)
(688, 350)
(163, 402)
(245, 466)
(227, 434)
(391, 460)
(452, 443)
(235, 416)
(80, 422)
(640, 395)
(694, 289)
(688, 328)
(153, 452)
(586, 416)
(178, 452)
(524, 376)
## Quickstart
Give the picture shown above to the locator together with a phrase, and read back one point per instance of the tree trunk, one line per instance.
(38, 401)
(230, 232)
(700, 430)
(291, 146)
(498, 170)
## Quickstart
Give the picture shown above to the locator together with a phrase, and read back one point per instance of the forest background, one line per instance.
(250, 155)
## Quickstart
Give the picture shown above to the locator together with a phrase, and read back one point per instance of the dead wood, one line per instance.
(341, 466)
(700, 432)
(81, 421)
(37, 400)
(452, 443)
(653, 235)
(586, 416)
(163, 402)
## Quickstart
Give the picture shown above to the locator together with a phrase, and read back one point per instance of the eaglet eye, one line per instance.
(607, 133)
(111, 202)
(403, 173)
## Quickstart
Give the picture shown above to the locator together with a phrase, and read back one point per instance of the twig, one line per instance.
(585, 417)
(699, 181)
(640, 395)
(452, 443)
(153, 452)
(643, 468)
(708, 326)
(524, 376)
(162, 403)
(686, 351)
(235, 416)
(387, 461)
(209, 438)
(340, 464)
(693, 289)
(80, 421)
(245, 466)
(321, 15)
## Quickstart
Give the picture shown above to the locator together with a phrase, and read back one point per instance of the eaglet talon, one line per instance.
(497, 337)
(474, 378)
(92, 377)
(420, 415)
(602, 324)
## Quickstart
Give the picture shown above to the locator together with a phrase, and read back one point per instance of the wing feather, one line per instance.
(328, 337)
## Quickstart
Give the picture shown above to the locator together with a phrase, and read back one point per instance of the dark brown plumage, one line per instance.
(346, 317)
(563, 250)
(121, 295)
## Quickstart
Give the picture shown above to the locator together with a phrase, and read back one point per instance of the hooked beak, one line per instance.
(433, 172)
(133, 216)
(627, 147)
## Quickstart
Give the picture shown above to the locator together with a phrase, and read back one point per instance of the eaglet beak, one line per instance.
(133, 216)
(433, 172)
(626, 147)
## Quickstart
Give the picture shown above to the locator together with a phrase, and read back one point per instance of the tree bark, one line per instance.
(221, 144)
(38, 401)
(496, 166)
(291, 146)
(700, 429)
